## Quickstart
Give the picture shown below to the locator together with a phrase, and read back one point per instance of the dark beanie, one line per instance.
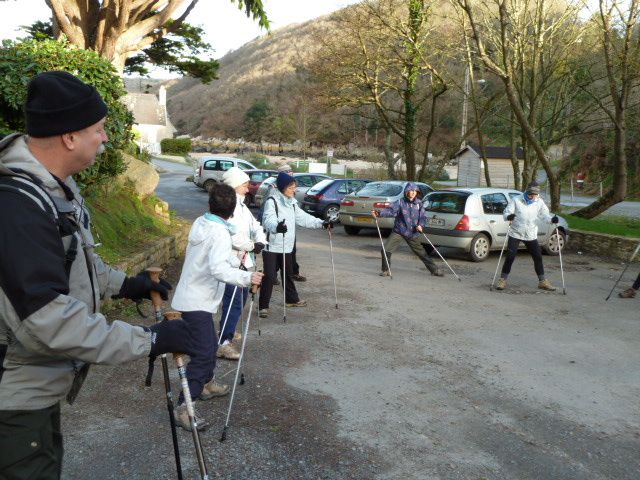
(284, 180)
(533, 187)
(58, 102)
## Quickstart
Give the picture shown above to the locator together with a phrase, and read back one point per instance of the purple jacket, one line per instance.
(409, 214)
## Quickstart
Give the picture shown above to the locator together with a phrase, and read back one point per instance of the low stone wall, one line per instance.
(602, 245)
(161, 253)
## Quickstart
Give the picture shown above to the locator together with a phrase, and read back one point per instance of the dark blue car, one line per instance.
(323, 199)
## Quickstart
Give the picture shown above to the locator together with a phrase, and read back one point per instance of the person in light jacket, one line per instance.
(209, 264)
(523, 212)
(281, 215)
(248, 240)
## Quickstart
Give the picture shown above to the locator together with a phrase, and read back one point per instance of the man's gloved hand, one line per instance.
(171, 336)
(257, 247)
(554, 219)
(511, 216)
(281, 228)
(141, 286)
(327, 224)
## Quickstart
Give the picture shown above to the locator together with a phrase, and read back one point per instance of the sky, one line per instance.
(226, 27)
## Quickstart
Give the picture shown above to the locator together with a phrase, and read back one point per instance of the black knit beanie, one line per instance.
(58, 102)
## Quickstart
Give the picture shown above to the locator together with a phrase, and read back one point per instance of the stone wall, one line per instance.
(602, 245)
(160, 253)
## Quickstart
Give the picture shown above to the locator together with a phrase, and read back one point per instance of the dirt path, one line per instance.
(412, 377)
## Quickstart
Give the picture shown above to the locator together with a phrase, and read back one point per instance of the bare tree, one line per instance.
(617, 22)
(117, 29)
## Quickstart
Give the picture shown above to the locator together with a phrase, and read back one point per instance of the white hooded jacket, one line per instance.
(524, 226)
(209, 263)
(247, 232)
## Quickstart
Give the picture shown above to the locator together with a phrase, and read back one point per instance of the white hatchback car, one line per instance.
(209, 170)
(471, 219)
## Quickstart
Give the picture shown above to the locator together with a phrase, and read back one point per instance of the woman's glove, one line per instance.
(555, 219)
(257, 247)
(171, 336)
(281, 228)
(511, 216)
(327, 224)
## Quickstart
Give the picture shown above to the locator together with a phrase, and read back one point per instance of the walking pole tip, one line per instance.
(241, 382)
(223, 437)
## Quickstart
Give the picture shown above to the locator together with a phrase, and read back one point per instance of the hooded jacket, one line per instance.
(208, 264)
(525, 224)
(409, 213)
(289, 211)
(50, 323)
(247, 232)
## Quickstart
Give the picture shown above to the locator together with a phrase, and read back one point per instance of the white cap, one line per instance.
(234, 177)
(285, 168)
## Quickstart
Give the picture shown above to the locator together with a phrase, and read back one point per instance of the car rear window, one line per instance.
(446, 202)
(318, 187)
(380, 189)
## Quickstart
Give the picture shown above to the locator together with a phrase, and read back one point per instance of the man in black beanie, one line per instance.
(52, 281)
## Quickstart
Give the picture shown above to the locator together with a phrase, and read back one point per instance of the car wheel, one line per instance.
(479, 248)
(349, 230)
(551, 247)
(208, 185)
(331, 211)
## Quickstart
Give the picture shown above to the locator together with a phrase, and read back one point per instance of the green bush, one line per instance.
(175, 146)
(20, 61)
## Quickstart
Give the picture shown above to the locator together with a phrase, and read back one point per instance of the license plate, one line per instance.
(364, 219)
(436, 222)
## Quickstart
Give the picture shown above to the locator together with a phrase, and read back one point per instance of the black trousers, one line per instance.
(534, 250)
(31, 444)
(203, 361)
(271, 262)
(636, 284)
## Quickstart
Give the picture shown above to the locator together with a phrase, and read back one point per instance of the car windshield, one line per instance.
(318, 187)
(446, 202)
(380, 189)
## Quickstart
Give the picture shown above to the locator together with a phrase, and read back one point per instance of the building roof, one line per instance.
(492, 152)
(146, 108)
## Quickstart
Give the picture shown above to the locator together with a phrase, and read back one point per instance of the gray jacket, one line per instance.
(50, 323)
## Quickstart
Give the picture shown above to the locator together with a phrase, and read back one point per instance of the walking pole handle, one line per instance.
(156, 299)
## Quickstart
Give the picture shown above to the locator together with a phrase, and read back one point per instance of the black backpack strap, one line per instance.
(275, 204)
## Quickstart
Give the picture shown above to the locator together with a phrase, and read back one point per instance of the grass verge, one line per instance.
(613, 225)
(123, 223)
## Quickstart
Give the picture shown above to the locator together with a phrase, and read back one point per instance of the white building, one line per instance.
(151, 118)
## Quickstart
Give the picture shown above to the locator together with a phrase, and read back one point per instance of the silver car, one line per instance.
(304, 180)
(209, 170)
(355, 209)
(471, 219)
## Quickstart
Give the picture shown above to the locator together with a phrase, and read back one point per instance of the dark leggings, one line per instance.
(636, 284)
(534, 250)
(272, 261)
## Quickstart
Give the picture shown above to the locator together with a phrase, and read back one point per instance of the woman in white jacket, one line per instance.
(208, 265)
(523, 212)
(247, 240)
(280, 217)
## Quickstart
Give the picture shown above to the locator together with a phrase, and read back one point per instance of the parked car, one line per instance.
(323, 199)
(256, 177)
(355, 209)
(305, 182)
(210, 169)
(471, 219)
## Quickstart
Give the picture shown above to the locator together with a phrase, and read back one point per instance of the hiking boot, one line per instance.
(299, 303)
(502, 284)
(437, 273)
(237, 337)
(546, 285)
(228, 351)
(263, 313)
(628, 293)
(213, 389)
(299, 278)
(385, 273)
(182, 419)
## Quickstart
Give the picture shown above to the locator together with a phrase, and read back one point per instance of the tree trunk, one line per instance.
(515, 163)
(388, 155)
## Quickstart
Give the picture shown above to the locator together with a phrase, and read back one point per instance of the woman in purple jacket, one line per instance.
(409, 220)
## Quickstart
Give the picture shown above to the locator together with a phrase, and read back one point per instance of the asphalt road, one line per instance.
(415, 377)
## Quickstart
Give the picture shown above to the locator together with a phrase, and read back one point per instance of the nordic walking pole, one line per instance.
(445, 262)
(182, 373)
(635, 252)
(226, 317)
(333, 268)
(284, 283)
(564, 290)
(386, 259)
(254, 289)
(154, 273)
(506, 240)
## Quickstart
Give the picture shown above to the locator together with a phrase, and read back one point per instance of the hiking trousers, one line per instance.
(394, 241)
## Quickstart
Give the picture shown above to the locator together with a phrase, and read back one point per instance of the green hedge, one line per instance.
(22, 60)
(175, 146)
